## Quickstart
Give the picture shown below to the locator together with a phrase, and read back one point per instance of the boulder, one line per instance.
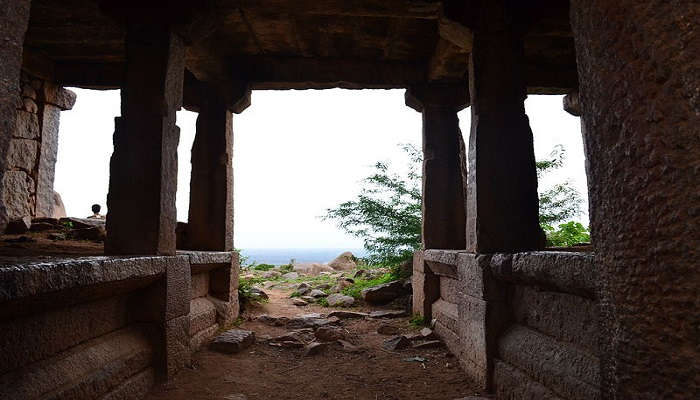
(317, 293)
(290, 275)
(271, 274)
(388, 314)
(233, 341)
(344, 262)
(95, 233)
(340, 300)
(312, 269)
(310, 322)
(59, 210)
(299, 302)
(384, 293)
(314, 348)
(329, 333)
(308, 299)
(19, 226)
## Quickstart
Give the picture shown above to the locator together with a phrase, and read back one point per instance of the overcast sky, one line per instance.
(296, 153)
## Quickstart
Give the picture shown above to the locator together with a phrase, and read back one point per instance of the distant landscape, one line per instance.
(282, 256)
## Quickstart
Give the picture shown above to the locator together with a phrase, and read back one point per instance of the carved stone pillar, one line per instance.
(210, 222)
(143, 168)
(502, 202)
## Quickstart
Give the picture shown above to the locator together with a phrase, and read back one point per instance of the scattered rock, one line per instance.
(342, 284)
(95, 233)
(329, 333)
(269, 284)
(388, 314)
(272, 321)
(237, 396)
(415, 359)
(19, 226)
(317, 293)
(312, 269)
(258, 294)
(314, 348)
(81, 223)
(336, 300)
(344, 262)
(384, 293)
(290, 275)
(349, 347)
(360, 273)
(430, 344)
(302, 286)
(308, 299)
(396, 343)
(310, 322)
(323, 286)
(271, 274)
(386, 329)
(59, 210)
(289, 344)
(347, 314)
(428, 334)
(42, 226)
(299, 302)
(56, 236)
(233, 341)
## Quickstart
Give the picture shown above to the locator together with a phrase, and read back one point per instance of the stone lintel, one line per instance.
(454, 96)
(572, 103)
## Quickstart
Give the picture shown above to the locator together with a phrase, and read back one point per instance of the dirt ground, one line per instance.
(264, 372)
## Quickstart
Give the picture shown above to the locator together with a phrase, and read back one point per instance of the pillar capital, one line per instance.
(443, 95)
(196, 94)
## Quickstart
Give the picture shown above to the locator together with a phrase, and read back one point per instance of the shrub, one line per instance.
(263, 267)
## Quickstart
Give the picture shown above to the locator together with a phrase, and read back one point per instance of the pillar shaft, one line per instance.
(640, 116)
(444, 177)
(14, 19)
(143, 170)
(210, 222)
(502, 202)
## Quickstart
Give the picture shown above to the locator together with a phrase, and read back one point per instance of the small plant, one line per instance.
(417, 320)
(355, 290)
(294, 294)
(286, 268)
(67, 224)
(323, 302)
(263, 267)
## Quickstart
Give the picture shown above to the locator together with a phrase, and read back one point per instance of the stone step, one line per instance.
(202, 315)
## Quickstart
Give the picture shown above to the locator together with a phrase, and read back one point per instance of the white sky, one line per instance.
(296, 153)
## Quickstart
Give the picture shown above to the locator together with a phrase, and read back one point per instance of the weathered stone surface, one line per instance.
(384, 293)
(19, 225)
(566, 370)
(329, 333)
(476, 277)
(202, 315)
(566, 317)
(314, 348)
(88, 370)
(200, 285)
(233, 341)
(502, 200)
(145, 145)
(210, 221)
(447, 314)
(426, 287)
(58, 96)
(344, 262)
(428, 344)
(310, 321)
(396, 343)
(347, 314)
(23, 154)
(388, 314)
(59, 210)
(568, 272)
(16, 201)
(46, 166)
(450, 289)
(386, 329)
(290, 275)
(511, 383)
(299, 302)
(95, 233)
(316, 293)
(340, 300)
(572, 104)
(27, 125)
(175, 353)
(199, 339)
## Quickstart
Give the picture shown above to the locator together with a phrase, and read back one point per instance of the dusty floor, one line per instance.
(266, 372)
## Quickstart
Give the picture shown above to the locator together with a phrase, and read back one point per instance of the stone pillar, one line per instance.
(502, 201)
(640, 113)
(14, 18)
(143, 170)
(210, 222)
(444, 179)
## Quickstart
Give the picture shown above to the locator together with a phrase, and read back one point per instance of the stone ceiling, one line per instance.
(279, 44)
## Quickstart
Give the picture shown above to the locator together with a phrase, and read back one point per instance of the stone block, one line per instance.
(226, 311)
(567, 318)
(565, 369)
(17, 186)
(450, 289)
(451, 339)
(200, 285)
(202, 315)
(511, 383)
(27, 125)
(233, 341)
(46, 166)
(199, 339)
(34, 337)
(58, 96)
(477, 281)
(223, 281)
(88, 370)
(446, 313)
(176, 349)
(19, 226)
(136, 387)
(23, 154)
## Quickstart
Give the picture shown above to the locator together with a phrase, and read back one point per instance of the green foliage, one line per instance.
(417, 320)
(386, 213)
(323, 302)
(245, 290)
(263, 267)
(242, 260)
(286, 268)
(355, 290)
(67, 224)
(567, 234)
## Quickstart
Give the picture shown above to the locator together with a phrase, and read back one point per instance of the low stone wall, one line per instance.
(108, 327)
(523, 325)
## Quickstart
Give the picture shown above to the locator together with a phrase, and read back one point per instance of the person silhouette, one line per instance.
(96, 212)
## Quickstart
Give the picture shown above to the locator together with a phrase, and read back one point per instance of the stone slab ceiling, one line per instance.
(278, 44)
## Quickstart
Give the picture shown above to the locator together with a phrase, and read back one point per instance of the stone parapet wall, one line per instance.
(526, 324)
(29, 165)
(108, 327)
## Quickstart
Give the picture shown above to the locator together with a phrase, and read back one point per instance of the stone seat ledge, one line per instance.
(563, 271)
(207, 257)
(31, 286)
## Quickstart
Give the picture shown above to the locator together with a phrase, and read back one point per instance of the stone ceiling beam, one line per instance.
(358, 8)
